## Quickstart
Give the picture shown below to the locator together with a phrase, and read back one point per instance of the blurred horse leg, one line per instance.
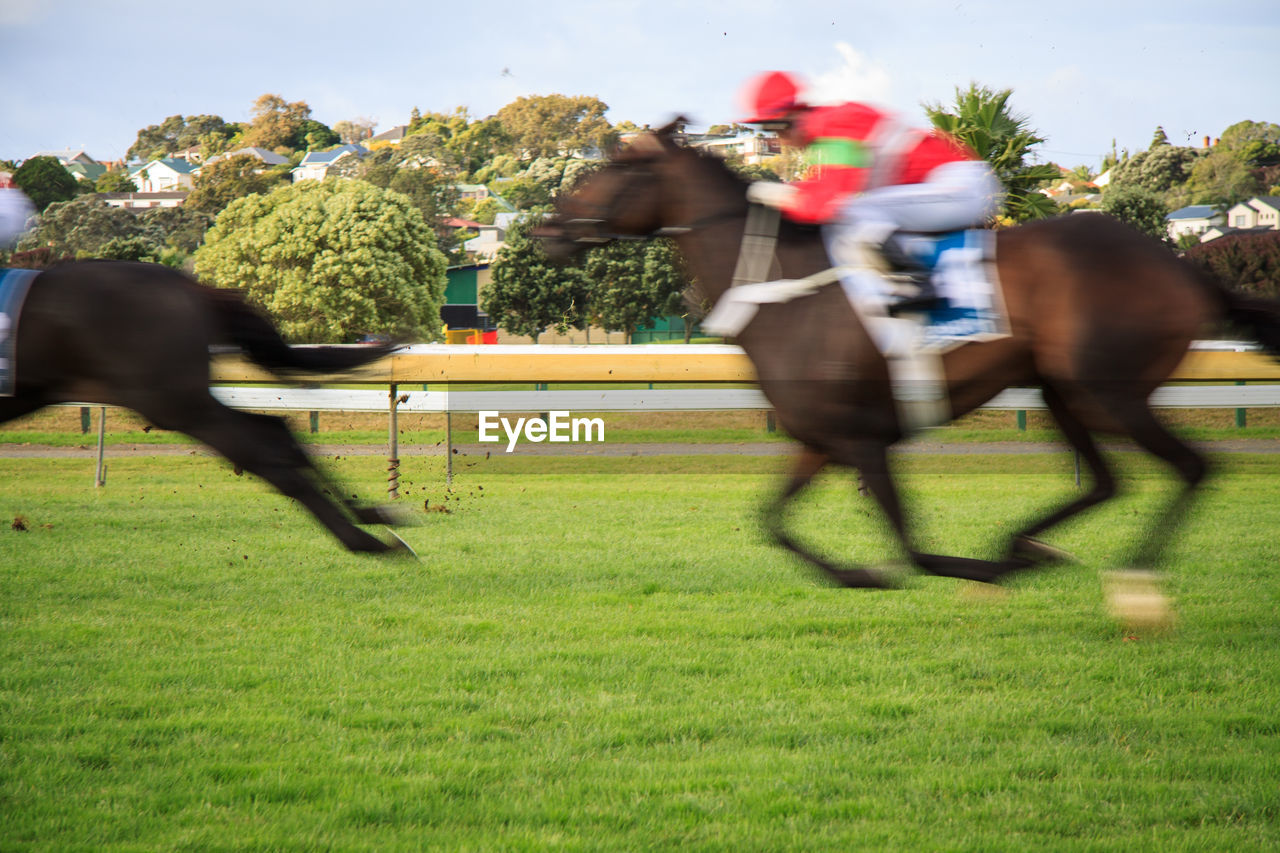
(804, 469)
(261, 445)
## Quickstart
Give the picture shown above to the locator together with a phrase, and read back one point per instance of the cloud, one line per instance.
(857, 78)
(20, 13)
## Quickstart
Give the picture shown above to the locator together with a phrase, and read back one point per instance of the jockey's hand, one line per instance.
(771, 193)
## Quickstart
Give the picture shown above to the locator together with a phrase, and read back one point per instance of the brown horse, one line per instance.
(1100, 316)
(139, 336)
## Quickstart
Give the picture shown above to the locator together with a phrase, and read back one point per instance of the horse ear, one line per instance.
(671, 128)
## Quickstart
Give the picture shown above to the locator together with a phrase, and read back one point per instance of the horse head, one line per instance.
(648, 189)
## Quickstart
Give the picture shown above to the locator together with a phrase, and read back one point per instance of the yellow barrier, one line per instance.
(435, 363)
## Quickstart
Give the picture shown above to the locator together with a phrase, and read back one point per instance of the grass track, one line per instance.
(605, 654)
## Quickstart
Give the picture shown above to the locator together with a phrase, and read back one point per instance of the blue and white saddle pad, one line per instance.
(13, 292)
(963, 269)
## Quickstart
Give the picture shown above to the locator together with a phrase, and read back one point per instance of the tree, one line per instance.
(129, 249)
(1159, 137)
(82, 226)
(555, 125)
(983, 119)
(1222, 177)
(312, 135)
(529, 293)
(181, 228)
(354, 130)
(177, 133)
(156, 140)
(1140, 208)
(454, 141)
(402, 169)
(1246, 262)
(231, 178)
(115, 181)
(45, 181)
(276, 123)
(1157, 170)
(630, 284)
(1258, 143)
(330, 261)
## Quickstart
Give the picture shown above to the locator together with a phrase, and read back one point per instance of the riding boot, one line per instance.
(905, 267)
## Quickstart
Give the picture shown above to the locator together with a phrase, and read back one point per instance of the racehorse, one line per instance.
(1099, 315)
(139, 336)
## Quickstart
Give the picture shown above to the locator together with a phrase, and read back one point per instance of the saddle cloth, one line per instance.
(13, 292)
(964, 276)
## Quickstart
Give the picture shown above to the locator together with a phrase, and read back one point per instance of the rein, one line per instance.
(599, 236)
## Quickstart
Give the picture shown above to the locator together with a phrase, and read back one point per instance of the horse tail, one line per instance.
(247, 328)
(1254, 316)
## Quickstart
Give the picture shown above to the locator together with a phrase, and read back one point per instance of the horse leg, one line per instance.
(872, 460)
(1189, 465)
(363, 513)
(269, 452)
(1024, 545)
(805, 468)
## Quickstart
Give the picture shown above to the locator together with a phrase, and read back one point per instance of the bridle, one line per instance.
(594, 232)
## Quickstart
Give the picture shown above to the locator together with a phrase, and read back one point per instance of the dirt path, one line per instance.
(764, 448)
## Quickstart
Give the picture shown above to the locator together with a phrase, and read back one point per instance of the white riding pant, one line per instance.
(953, 196)
(16, 212)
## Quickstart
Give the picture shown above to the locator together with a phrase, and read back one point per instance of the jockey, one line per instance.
(870, 177)
(16, 211)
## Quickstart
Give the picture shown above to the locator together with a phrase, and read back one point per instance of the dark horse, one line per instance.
(1100, 316)
(139, 336)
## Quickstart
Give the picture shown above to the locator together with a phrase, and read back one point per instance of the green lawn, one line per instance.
(606, 654)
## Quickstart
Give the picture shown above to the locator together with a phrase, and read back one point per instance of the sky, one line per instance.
(88, 74)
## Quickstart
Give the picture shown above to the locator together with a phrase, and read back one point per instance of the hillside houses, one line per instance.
(315, 165)
(1261, 213)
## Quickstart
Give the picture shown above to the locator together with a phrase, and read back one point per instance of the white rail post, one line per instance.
(100, 477)
(393, 442)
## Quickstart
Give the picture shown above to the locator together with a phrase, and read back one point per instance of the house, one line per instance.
(752, 148)
(78, 163)
(163, 175)
(1263, 212)
(1194, 219)
(144, 201)
(394, 136)
(1257, 214)
(315, 165)
(268, 158)
(194, 154)
(475, 192)
(492, 237)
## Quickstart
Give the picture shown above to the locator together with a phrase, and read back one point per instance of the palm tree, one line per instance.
(982, 119)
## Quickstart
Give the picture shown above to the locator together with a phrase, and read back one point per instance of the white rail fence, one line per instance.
(395, 401)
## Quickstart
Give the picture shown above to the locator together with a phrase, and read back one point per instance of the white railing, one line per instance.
(659, 400)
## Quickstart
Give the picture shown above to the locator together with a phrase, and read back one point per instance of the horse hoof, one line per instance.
(1134, 599)
(1039, 553)
(397, 547)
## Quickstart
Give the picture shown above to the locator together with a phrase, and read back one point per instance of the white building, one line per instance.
(1195, 219)
(316, 164)
(164, 175)
(1261, 212)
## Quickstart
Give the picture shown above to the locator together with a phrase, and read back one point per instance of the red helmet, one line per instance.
(771, 96)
